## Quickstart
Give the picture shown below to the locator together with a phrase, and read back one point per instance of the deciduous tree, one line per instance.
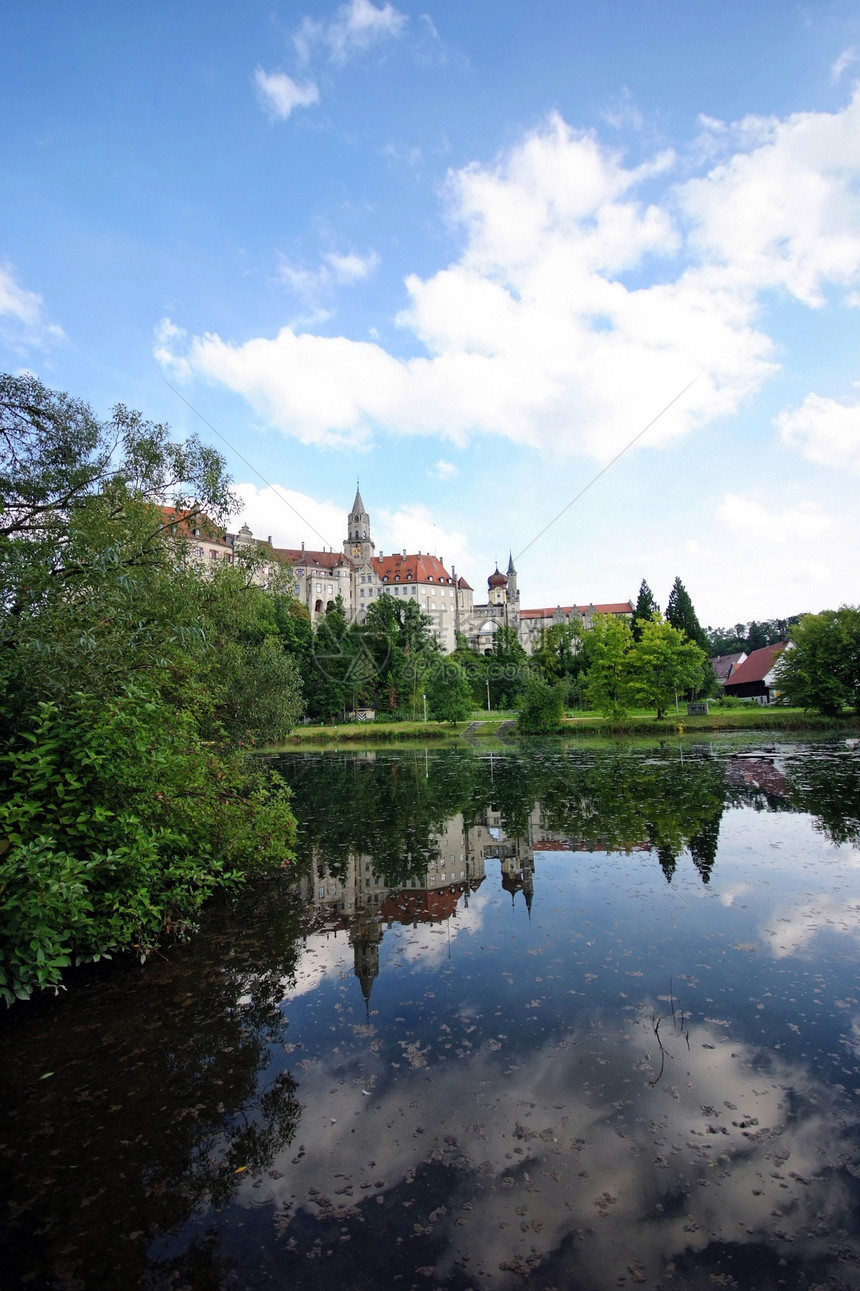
(608, 645)
(820, 669)
(663, 664)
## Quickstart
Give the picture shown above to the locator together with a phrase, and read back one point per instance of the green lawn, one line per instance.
(639, 722)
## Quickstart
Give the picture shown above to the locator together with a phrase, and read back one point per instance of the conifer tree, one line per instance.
(646, 606)
(680, 613)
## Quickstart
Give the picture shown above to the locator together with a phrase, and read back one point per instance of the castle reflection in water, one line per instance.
(359, 902)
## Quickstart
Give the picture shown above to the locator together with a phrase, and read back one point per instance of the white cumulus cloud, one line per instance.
(823, 430)
(578, 307)
(289, 517)
(786, 212)
(280, 94)
(412, 527)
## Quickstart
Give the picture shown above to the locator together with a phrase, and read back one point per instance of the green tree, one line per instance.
(475, 667)
(508, 668)
(398, 638)
(607, 646)
(663, 664)
(681, 615)
(339, 671)
(820, 669)
(560, 656)
(541, 706)
(126, 675)
(646, 607)
(449, 692)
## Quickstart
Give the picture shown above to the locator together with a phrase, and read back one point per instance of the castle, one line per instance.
(360, 575)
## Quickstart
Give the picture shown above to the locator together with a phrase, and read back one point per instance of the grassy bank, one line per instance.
(753, 718)
(484, 726)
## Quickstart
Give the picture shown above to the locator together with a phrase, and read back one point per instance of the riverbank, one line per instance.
(753, 718)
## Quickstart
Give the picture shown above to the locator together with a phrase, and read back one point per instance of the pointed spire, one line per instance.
(358, 505)
(511, 569)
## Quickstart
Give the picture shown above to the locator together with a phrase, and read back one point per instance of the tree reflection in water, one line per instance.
(487, 1100)
(162, 1096)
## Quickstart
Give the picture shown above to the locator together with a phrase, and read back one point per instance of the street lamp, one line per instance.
(488, 694)
(424, 697)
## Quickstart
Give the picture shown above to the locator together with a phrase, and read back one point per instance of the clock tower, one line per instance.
(358, 546)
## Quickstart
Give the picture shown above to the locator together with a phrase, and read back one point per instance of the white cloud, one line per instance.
(337, 270)
(290, 517)
(23, 322)
(445, 470)
(785, 213)
(280, 94)
(351, 267)
(355, 27)
(748, 518)
(577, 309)
(412, 527)
(842, 63)
(823, 430)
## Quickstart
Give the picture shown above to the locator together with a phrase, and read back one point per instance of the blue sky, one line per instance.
(466, 252)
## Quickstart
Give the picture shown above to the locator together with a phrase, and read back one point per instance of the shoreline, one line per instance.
(764, 719)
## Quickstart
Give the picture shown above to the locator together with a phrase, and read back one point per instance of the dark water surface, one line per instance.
(563, 1017)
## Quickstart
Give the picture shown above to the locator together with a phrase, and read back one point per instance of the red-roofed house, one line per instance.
(755, 677)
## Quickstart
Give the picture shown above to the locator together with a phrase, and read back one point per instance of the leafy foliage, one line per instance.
(663, 664)
(541, 706)
(508, 668)
(449, 692)
(126, 675)
(821, 668)
(607, 646)
(749, 636)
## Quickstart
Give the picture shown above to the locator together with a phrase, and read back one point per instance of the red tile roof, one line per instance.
(313, 559)
(191, 520)
(423, 906)
(756, 666)
(410, 569)
(466, 587)
(614, 607)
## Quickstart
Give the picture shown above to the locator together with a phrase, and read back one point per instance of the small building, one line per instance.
(725, 665)
(755, 678)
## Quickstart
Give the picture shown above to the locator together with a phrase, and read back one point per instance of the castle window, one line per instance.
(318, 609)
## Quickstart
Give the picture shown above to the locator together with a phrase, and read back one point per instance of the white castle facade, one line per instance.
(360, 575)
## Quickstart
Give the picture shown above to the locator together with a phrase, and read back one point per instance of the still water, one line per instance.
(558, 1017)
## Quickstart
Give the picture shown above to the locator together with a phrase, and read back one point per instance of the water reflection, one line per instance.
(550, 1019)
(145, 1098)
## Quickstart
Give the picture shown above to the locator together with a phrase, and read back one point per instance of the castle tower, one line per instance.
(365, 936)
(513, 593)
(358, 545)
(497, 588)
